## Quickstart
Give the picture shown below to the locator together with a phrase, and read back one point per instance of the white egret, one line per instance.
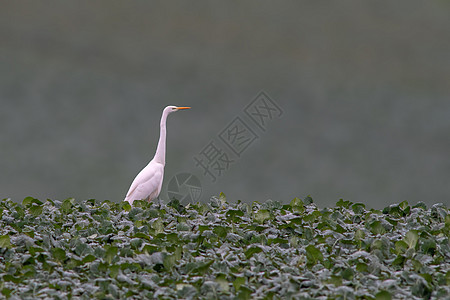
(147, 184)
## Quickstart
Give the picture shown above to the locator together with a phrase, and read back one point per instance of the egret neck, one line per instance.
(160, 155)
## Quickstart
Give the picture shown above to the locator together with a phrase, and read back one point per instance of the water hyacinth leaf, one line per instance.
(158, 226)
(110, 253)
(383, 295)
(262, 215)
(221, 279)
(359, 234)
(30, 200)
(308, 200)
(114, 271)
(88, 258)
(343, 203)
(358, 208)
(429, 246)
(6, 292)
(335, 280)
(202, 267)
(5, 241)
(99, 250)
(66, 205)
(238, 282)
(401, 247)
(297, 205)
(252, 250)
(59, 254)
(125, 206)
(313, 255)
(222, 198)
(347, 274)
(9, 277)
(142, 236)
(296, 202)
(20, 212)
(377, 228)
(220, 231)
(411, 238)
(399, 261)
(244, 293)
(35, 210)
(362, 267)
(169, 261)
(447, 277)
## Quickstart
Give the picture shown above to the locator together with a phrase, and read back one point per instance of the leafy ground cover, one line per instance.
(221, 250)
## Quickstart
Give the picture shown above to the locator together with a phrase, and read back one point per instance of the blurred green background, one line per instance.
(364, 88)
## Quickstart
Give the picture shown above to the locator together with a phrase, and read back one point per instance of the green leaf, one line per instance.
(220, 231)
(429, 246)
(347, 274)
(31, 200)
(7, 292)
(222, 198)
(401, 247)
(252, 250)
(35, 210)
(59, 254)
(202, 267)
(110, 253)
(5, 241)
(359, 234)
(67, 204)
(238, 282)
(358, 208)
(88, 258)
(361, 267)
(383, 295)
(296, 202)
(125, 206)
(399, 261)
(11, 278)
(221, 279)
(297, 205)
(342, 203)
(143, 236)
(308, 200)
(420, 205)
(377, 228)
(262, 215)
(335, 280)
(411, 238)
(313, 255)
(244, 293)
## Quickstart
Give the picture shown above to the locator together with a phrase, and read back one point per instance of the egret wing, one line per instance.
(146, 182)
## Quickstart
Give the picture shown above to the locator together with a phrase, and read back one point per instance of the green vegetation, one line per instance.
(222, 250)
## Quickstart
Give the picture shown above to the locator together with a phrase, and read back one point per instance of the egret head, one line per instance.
(171, 108)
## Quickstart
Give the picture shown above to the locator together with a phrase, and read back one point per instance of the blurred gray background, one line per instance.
(364, 88)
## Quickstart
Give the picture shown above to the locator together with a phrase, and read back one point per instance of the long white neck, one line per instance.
(160, 155)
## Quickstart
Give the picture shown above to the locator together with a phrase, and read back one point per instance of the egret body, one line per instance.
(147, 184)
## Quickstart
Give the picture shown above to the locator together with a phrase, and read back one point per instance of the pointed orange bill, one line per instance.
(183, 107)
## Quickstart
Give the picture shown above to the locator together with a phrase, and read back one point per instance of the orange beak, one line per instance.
(183, 107)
